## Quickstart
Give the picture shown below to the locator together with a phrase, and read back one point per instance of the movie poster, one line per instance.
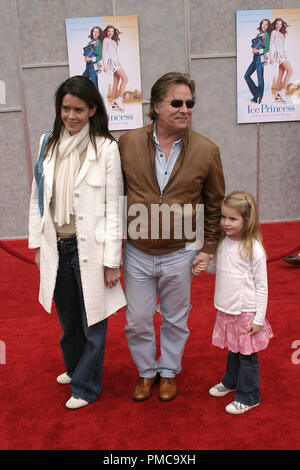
(268, 65)
(106, 50)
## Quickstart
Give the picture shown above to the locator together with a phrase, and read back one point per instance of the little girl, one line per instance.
(241, 294)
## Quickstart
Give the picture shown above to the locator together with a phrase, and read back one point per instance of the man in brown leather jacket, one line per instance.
(169, 172)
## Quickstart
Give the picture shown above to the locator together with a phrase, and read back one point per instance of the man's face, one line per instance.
(170, 119)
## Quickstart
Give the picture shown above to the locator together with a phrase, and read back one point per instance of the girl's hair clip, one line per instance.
(249, 205)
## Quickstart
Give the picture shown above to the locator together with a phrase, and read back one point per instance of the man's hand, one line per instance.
(200, 263)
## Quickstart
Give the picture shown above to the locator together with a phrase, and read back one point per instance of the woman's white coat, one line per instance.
(98, 193)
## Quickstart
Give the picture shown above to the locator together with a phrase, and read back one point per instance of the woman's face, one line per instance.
(265, 25)
(278, 25)
(75, 113)
(110, 32)
(96, 33)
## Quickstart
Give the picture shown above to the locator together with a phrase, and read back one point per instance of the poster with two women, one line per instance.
(105, 49)
(268, 65)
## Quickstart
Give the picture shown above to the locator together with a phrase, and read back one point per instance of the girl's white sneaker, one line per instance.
(74, 403)
(237, 408)
(63, 379)
(219, 390)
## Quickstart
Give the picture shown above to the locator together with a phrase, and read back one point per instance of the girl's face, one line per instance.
(110, 32)
(278, 25)
(232, 222)
(265, 25)
(75, 113)
(96, 33)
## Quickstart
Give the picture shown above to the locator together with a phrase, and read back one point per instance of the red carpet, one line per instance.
(32, 409)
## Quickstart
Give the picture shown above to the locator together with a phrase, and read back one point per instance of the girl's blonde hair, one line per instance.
(244, 203)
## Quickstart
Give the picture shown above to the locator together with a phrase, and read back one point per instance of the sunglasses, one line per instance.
(178, 103)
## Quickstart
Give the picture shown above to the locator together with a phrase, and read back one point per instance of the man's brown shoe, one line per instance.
(167, 388)
(143, 388)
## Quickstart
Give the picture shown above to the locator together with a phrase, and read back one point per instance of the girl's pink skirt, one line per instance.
(230, 331)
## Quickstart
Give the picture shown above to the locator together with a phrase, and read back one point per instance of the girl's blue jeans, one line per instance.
(242, 374)
(256, 90)
(91, 73)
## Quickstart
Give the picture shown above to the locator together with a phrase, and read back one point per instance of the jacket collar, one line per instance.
(90, 157)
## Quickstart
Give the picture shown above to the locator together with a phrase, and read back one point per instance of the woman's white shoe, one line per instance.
(74, 403)
(219, 390)
(63, 379)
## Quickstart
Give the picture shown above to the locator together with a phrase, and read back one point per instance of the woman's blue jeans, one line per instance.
(256, 90)
(82, 346)
(242, 374)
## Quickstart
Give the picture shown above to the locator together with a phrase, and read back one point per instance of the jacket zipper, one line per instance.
(168, 183)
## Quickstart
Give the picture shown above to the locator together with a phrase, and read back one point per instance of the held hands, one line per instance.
(200, 263)
(111, 276)
(253, 329)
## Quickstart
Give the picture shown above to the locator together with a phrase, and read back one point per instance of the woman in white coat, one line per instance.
(75, 225)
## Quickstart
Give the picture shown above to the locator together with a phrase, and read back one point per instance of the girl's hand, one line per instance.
(111, 276)
(253, 329)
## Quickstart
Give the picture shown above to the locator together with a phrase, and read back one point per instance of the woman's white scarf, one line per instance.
(69, 149)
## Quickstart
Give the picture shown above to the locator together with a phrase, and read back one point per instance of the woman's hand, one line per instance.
(111, 276)
(37, 257)
(253, 329)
